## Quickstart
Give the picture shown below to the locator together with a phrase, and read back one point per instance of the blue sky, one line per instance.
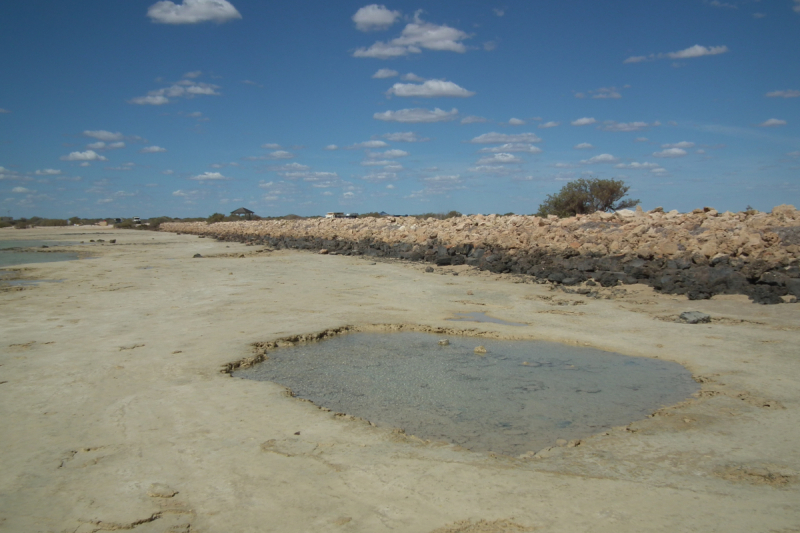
(142, 108)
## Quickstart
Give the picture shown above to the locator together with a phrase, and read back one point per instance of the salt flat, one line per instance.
(116, 414)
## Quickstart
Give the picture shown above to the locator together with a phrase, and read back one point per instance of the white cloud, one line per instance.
(697, 51)
(192, 12)
(210, 176)
(796, 7)
(368, 144)
(412, 77)
(516, 122)
(635, 165)
(472, 119)
(377, 177)
(21, 190)
(430, 89)
(602, 158)
(431, 36)
(417, 115)
(585, 121)
(772, 122)
(550, 124)
(381, 50)
(183, 89)
(641, 139)
(374, 17)
(682, 144)
(607, 93)
(583, 146)
(406, 136)
(152, 150)
(47, 172)
(168, 172)
(671, 152)
(4, 111)
(416, 36)
(659, 171)
(271, 146)
(385, 73)
(388, 154)
(497, 138)
(103, 135)
(499, 159)
(331, 147)
(289, 167)
(376, 163)
(687, 53)
(150, 100)
(788, 93)
(88, 155)
(512, 147)
(193, 74)
(625, 126)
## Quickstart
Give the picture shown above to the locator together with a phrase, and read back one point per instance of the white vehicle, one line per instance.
(334, 215)
(137, 220)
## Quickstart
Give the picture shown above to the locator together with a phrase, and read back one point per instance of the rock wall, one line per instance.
(699, 254)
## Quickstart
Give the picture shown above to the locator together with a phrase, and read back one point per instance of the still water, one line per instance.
(20, 252)
(520, 396)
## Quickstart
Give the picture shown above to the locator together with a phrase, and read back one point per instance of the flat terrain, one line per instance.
(116, 416)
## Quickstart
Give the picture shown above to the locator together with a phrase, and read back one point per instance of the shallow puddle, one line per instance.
(519, 396)
(482, 317)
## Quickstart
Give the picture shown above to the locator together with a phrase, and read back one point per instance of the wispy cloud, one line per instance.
(385, 73)
(670, 152)
(512, 147)
(473, 119)
(772, 122)
(417, 115)
(185, 88)
(405, 136)
(687, 53)
(210, 176)
(788, 93)
(550, 124)
(585, 121)
(152, 150)
(497, 138)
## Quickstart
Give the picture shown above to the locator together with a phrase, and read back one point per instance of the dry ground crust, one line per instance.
(116, 415)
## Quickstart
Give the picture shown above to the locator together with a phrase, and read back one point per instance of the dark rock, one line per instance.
(443, 261)
(793, 286)
(195, 256)
(695, 317)
(429, 269)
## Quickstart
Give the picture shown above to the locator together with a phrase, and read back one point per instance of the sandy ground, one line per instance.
(115, 413)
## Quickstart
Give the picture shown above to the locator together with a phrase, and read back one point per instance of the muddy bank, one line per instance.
(700, 254)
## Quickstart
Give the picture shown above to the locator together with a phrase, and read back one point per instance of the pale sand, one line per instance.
(115, 414)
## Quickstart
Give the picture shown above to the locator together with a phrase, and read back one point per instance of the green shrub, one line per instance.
(583, 197)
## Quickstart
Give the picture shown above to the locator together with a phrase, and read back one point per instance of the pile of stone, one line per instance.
(699, 254)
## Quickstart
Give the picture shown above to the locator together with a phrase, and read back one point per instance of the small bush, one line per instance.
(583, 197)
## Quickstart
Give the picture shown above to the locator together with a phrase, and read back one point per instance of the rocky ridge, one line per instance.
(700, 254)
